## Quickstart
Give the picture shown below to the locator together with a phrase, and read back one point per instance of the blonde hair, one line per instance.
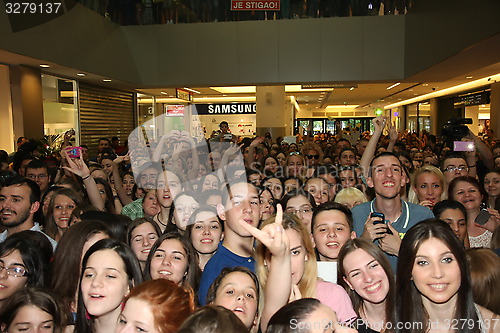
(347, 194)
(412, 195)
(307, 284)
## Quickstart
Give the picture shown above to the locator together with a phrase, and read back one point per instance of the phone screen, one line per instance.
(464, 146)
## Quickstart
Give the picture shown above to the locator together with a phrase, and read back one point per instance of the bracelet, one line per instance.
(472, 166)
(86, 177)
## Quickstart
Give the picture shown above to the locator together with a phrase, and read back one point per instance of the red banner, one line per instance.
(174, 110)
(272, 5)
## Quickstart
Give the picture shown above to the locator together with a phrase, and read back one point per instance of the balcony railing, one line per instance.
(146, 12)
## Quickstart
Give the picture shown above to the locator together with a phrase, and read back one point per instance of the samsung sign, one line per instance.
(231, 108)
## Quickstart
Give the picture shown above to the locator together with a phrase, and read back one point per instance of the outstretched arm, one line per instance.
(279, 279)
(369, 153)
(79, 168)
(120, 190)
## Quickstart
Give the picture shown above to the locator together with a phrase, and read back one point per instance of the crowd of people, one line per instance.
(391, 233)
(146, 12)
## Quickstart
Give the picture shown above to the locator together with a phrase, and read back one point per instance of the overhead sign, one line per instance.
(230, 108)
(184, 95)
(255, 4)
(472, 99)
(329, 86)
(174, 110)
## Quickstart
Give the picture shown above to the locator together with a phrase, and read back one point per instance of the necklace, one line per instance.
(157, 219)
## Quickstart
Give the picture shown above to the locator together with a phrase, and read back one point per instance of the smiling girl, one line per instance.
(433, 289)
(366, 275)
(469, 193)
(173, 258)
(205, 232)
(61, 205)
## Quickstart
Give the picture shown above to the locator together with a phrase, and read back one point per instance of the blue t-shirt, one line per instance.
(221, 259)
(411, 214)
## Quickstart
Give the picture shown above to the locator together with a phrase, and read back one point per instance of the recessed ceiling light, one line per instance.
(192, 90)
(80, 74)
(468, 77)
(352, 88)
(163, 93)
(425, 84)
(106, 80)
(44, 66)
(394, 85)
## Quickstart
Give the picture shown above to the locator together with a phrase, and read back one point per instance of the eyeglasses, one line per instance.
(313, 156)
(294, 153)
(452, 168)
(15, 271)
(302, 210)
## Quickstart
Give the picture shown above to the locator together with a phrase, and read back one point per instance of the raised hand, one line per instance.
(393, 133)
(273, 235)
(379, 123)
(76, 166)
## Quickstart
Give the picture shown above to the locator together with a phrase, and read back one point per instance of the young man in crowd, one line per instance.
(240, 203)
(386, 178)
(19, 201)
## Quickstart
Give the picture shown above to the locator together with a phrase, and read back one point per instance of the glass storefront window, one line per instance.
(60, 109)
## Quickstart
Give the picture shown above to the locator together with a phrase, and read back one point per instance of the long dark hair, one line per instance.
(33, 297)
(33, 259)
(410, 306)
(193, 273)
(374, 251)
(84, 322)
(65, 266)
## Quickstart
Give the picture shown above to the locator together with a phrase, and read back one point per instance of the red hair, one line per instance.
(170, 303)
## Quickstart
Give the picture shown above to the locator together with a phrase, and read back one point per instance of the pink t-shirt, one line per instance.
(335, 297)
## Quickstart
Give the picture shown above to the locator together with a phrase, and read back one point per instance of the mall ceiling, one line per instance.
(478, 61)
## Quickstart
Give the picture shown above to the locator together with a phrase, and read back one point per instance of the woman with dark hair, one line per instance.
(471, 194)
(111, 205)
(22, 265)
(205, 232)
(306, 315)
(212, 319)
(173, 258)
(185, 203)
(453, 213)
(109, 271)
(366, 275)
(433, 289)
(267, 203)
(492, 187)
(66, 265)
(142, 233)
(32, 310)
(484, 267)
(46, 199)
(275, 185)
(157, 306)
(238, 290)
(62, 204)
(272, 166)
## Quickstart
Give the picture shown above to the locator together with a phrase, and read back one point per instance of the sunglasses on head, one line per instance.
(294, 153)
(313, 156)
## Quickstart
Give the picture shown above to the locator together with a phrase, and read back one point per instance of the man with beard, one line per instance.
(19, 201)
(386, 178)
